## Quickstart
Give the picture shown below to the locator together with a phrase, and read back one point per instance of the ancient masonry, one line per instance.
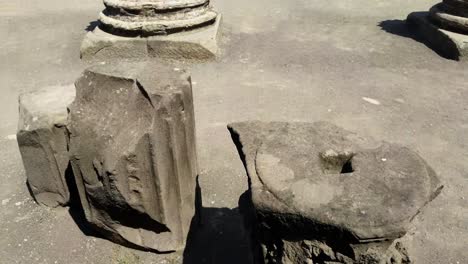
(321, 194)
(132, 145)
(130, 136)
(176, 29)
(43, 142)
(444, 27)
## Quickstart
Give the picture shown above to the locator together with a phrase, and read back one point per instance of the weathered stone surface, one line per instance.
(132, 146)
(449, 44)
(198, 44)
(317, 183)
(151, 17)
(42, 139)
(177, 29)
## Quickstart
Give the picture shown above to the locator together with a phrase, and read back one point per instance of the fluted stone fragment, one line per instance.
(155, 17)
(43, 142)
(132, 145)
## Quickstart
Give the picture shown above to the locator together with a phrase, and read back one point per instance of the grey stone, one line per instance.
(185, 29)
(42, 139)
(444, 28)
(132, 148)
(448, 18)
(351, 197)
(155, 17)
(450, 44)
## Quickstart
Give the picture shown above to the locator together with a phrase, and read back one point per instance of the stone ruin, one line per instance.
(177, 29)
(317, 193)
(321, 194)
(43, 143)
(130, 136)
(444, 27)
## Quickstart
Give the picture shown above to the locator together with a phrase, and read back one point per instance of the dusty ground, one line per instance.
(303, 60)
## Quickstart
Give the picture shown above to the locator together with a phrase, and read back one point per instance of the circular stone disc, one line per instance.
(156, 4)
(324, 174)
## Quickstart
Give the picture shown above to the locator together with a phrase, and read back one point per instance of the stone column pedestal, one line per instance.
(321, 194)
(170, 29)
(444, 28)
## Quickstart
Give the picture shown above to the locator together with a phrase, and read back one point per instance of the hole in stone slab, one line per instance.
(334, 162)
(347, 167)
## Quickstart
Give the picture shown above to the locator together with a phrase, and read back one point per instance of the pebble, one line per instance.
(11, 137)
(371, 100)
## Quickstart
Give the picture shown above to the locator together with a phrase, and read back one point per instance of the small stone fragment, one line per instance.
(132, 147)
(321, 193)
(42, 139)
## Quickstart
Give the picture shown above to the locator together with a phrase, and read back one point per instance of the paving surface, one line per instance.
(351, 62)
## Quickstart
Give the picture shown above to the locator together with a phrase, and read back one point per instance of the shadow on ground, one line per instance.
(217, 235)
(92, 25)
(401, 28)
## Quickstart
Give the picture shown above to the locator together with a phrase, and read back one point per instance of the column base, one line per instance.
(448, 44)
(198, 44)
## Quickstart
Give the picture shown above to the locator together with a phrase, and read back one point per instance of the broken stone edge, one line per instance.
(248, 136)
(448, 44)
(42, 139)
(199, 44)
(178, 240)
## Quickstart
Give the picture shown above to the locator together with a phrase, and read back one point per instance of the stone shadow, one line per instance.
(403, 29)
(92, 25)
(217, 235)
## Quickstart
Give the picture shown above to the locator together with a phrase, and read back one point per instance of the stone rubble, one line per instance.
(321, 194)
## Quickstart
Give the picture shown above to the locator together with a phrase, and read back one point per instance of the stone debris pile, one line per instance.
(130, 139)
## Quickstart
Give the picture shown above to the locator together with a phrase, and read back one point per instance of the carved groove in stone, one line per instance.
(132, 147)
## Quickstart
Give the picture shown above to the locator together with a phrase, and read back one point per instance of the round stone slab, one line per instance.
(329, 176)
(154, 4)
(155, 25)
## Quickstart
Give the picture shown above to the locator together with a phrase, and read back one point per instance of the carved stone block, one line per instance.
(132, 146)
(321, 194)
(43, 142)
